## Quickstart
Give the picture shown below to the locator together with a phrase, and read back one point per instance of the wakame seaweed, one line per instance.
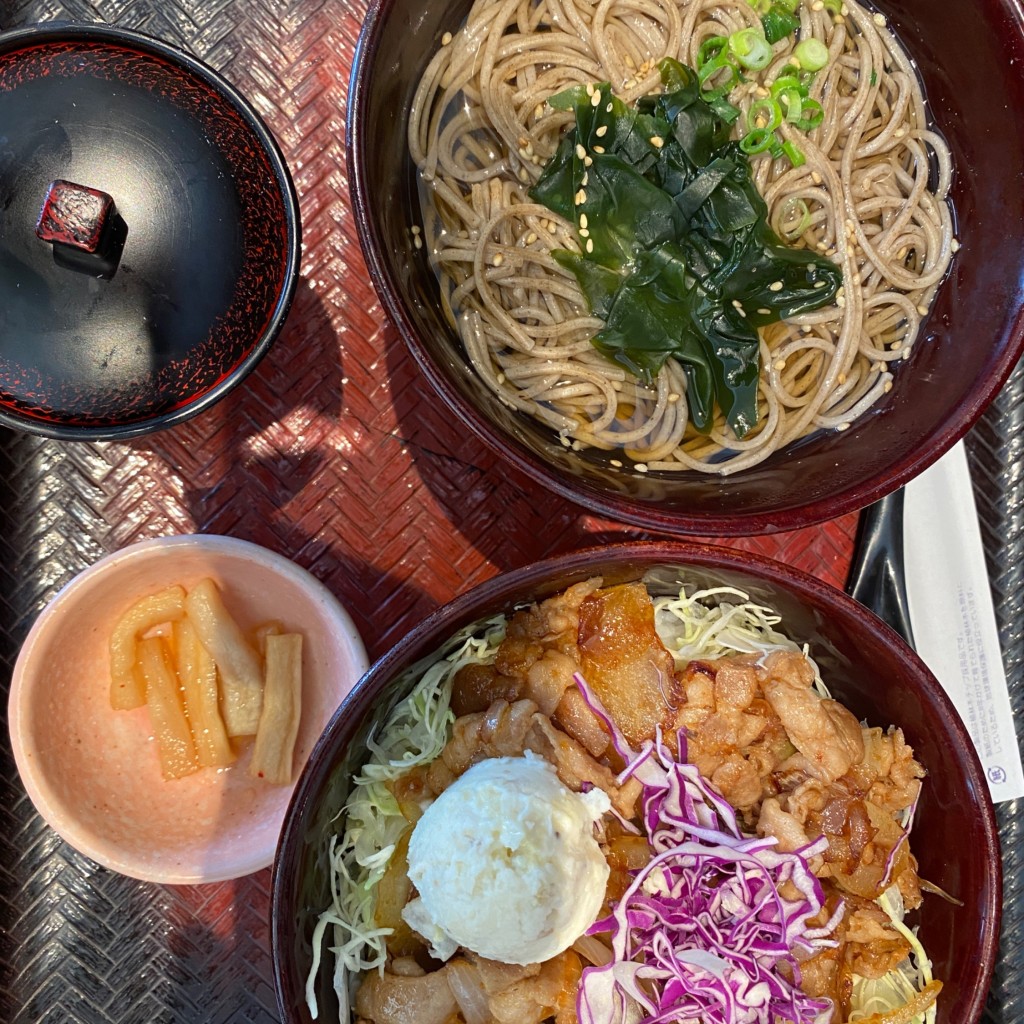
(677, 257)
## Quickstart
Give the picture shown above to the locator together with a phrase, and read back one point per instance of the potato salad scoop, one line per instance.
(506, 863)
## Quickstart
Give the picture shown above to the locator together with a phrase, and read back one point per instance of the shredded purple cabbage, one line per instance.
(703, 933)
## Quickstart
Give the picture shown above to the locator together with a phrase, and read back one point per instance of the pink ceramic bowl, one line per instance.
(93, 773)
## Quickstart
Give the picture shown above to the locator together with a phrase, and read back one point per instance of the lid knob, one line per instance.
(84, 227)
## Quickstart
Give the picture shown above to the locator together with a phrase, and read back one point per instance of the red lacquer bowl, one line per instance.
(969, 343)
(864, 663)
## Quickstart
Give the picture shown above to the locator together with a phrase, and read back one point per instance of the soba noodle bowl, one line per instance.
(871, 196)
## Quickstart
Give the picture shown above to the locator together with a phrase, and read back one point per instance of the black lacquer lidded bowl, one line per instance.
(149, 233)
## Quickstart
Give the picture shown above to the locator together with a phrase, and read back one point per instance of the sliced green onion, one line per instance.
(712, 67)
(811, 54)
(792, 103)
(750, 48)
(712, 47)
(786, 83)
(795, 218)
(810, 117)
(766, 106)
(757, 140)
(796, 158)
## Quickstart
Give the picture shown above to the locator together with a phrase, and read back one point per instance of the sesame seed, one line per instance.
(657, 141)
(820, 284)
(779, 364)
(608, 109)
(498, 259)
(552, 226)
(536, 160)
(524, 174)
(446, 38)
(900, 132)
(843, 426)
(602, 131)
(590, 245)
(764, 312)
(641, 467)
(564, 441)
(841, 379)
(587, 161)
(599, 149)
(737, 303)
(576, 446)
(501, 378)
(923, 310)
(615, 463)
(583, 220)
(538, 111)
(584, 179)
(954, 246)
(417, 241)
(628, 61)
(531, 238)
(905, 352)
(580, 151)
(584, 233)
(415, 229)
(580, 198)
(762, 91)
(887, 387)
(839, 20)
(816, 177)
(595, 100)
(879, 20)
(673, 397)
(840, 301)
(818, 5)
(590, 89)
(902, 254)
(776, 286)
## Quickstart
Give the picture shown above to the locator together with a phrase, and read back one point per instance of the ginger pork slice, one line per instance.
(624, 661)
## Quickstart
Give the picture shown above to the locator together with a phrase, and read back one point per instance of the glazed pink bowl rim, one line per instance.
(33, 776)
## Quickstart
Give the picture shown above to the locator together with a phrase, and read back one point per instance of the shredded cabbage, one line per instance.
(902, 984)
(706, 624)
(414, 734)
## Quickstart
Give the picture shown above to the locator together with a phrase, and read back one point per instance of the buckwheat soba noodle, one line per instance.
(865, 193)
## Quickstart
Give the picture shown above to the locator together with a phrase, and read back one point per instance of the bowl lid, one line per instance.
(148, 233)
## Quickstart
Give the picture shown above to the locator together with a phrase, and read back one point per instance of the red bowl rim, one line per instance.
(359, 139)
(465, 608)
